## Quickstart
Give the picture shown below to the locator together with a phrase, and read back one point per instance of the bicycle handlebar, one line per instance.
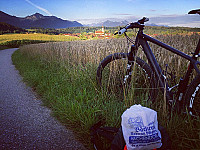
(138, 24)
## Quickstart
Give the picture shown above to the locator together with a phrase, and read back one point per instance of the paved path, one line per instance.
(24, 123)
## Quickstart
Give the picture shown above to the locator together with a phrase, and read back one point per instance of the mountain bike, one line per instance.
(125, 72)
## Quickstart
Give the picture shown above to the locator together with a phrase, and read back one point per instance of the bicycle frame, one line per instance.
(142, 39)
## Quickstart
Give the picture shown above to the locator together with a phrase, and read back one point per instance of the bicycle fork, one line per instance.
(130, 65)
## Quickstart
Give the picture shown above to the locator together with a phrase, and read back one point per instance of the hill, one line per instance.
(109, 23)
(7, 28)
(38, 20)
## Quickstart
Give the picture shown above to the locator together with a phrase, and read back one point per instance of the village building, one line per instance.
(100, 33)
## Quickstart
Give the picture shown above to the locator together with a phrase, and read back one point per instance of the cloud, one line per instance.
(152, 10)
(167, 20)
(46, 11)
(195, 24)
(177, 20)
(123, 14)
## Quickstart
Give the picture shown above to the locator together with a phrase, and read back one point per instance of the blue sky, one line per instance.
(87, 11)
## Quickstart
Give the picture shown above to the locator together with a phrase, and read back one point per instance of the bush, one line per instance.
(17, 43)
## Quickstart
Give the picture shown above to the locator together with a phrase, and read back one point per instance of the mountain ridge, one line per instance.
(37, 20)
(35, 16)
(109, 23)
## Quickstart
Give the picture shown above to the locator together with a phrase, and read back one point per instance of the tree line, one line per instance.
(6, 28)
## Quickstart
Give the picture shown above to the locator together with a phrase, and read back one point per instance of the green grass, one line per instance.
(17, 43)
(69, 88)
(70, 92)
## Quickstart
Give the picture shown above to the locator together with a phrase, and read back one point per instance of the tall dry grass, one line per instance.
(80, 60)
(84, 53)
(87, 53)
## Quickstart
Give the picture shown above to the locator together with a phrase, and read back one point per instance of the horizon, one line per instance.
(169, 13)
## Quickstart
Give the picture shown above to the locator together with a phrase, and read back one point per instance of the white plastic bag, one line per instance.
(140, 128)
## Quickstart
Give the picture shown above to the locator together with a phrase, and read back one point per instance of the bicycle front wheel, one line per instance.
(112, 72)
(192, 97)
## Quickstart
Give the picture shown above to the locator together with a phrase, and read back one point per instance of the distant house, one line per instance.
(68, 34)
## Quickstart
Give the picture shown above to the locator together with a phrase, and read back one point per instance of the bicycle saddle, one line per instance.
(197, 11)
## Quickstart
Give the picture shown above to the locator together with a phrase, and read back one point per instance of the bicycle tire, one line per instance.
(192, 97)
(141, 65)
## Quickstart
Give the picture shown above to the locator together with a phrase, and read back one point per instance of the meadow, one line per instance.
(15, 40)
(64, 76)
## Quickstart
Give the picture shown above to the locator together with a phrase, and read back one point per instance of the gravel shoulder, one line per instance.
(24, 122)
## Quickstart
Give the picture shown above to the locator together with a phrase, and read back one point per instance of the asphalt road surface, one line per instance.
(24, 122)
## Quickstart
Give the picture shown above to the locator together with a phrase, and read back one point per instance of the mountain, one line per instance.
(37, 20)
(153, 24)
(35, 17)
(109, 23)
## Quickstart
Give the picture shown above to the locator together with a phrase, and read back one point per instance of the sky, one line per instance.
(166, 12)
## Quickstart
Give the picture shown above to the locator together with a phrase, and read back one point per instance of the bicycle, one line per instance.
(183, 96)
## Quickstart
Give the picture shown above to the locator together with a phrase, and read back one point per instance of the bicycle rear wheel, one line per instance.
(111, 73)
(192, 97)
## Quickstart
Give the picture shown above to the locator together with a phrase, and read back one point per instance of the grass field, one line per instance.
(15, 40)
(43, 37)
(64, 75)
